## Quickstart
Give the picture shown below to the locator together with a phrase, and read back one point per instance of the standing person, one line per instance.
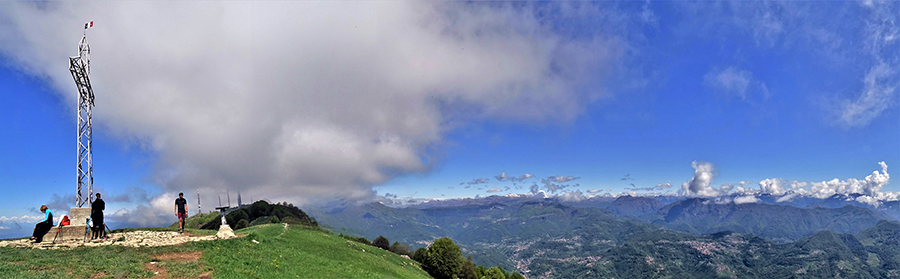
(181, 210)
(97, 209)
(44, 226)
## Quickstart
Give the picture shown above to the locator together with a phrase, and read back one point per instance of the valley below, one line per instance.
(644, 237)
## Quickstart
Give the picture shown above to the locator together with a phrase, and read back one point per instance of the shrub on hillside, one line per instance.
(236, 216)
(443, 259)
(280, 211)
(213, 224)
(359, 239)
(241, 224)
(296, 212)
(399, 249)
(382, 242)
(274, 220)
(291, 220)
(260, 221)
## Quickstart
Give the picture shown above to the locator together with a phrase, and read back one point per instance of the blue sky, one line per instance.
(307, 102)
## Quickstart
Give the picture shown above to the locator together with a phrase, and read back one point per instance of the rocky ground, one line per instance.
(133, 239)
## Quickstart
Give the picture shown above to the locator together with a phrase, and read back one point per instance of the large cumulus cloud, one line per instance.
(699, 185)
(306, 99)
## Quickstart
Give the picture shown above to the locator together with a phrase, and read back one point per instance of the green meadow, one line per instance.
(294, 251)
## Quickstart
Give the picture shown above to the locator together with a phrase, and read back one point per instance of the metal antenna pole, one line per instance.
(199, 211)
(80, 67)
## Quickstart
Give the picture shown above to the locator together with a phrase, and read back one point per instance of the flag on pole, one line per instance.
(89, 24)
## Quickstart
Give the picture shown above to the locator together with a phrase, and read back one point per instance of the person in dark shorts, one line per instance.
(44, 226)
(181, 210)
(97, 209)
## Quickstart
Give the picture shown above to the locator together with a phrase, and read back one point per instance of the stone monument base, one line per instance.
(79, 215)
(225, 232)
(67, 233)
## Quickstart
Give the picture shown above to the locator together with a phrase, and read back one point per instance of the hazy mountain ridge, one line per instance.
(586, 238)
(776, 222)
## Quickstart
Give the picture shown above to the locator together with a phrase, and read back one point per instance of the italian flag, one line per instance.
(89, 24)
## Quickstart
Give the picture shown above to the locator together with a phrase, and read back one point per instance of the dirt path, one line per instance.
(161, 273)
(284, 230)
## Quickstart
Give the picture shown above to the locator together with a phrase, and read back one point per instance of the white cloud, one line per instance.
(494, 190)
(879, 87)
(870, 186)
(771, 186)
(573, 196)
(745, 199)
(767, 27)
(699, 184)
(534, 189)
(869, 200)
(733, 82)
(476, 181)
(647, 14)
(561, 179)
(554, 183)
(305, 99)
(787, 197)
(880, 82)
(22, 219)
(663, 186)
(502, 176)
(594, 191)
(523, 177)
(657, 187)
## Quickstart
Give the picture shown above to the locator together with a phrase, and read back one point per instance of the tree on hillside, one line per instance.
(236, 216)
(260, 208)
(419, 255)
(480, 270)
(296, 212)
(382, 242)
(443, 259)
(494, 273)
(467, 271)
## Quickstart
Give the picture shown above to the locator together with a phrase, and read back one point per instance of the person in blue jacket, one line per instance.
(44, 226)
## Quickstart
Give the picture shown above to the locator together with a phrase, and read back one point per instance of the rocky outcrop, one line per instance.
(133, 239)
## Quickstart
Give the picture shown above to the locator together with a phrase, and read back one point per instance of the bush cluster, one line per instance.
(261, 212)
(444, 260)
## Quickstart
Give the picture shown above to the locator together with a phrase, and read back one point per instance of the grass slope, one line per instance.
(291, 252)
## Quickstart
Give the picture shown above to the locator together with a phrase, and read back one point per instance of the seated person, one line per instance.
(44, 226)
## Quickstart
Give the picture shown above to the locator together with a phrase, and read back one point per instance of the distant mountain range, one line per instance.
(645, 236)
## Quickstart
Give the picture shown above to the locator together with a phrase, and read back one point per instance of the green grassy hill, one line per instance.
(282, 252)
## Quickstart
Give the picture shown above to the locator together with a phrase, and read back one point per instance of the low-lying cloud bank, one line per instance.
(867, 190)
(864, 191)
